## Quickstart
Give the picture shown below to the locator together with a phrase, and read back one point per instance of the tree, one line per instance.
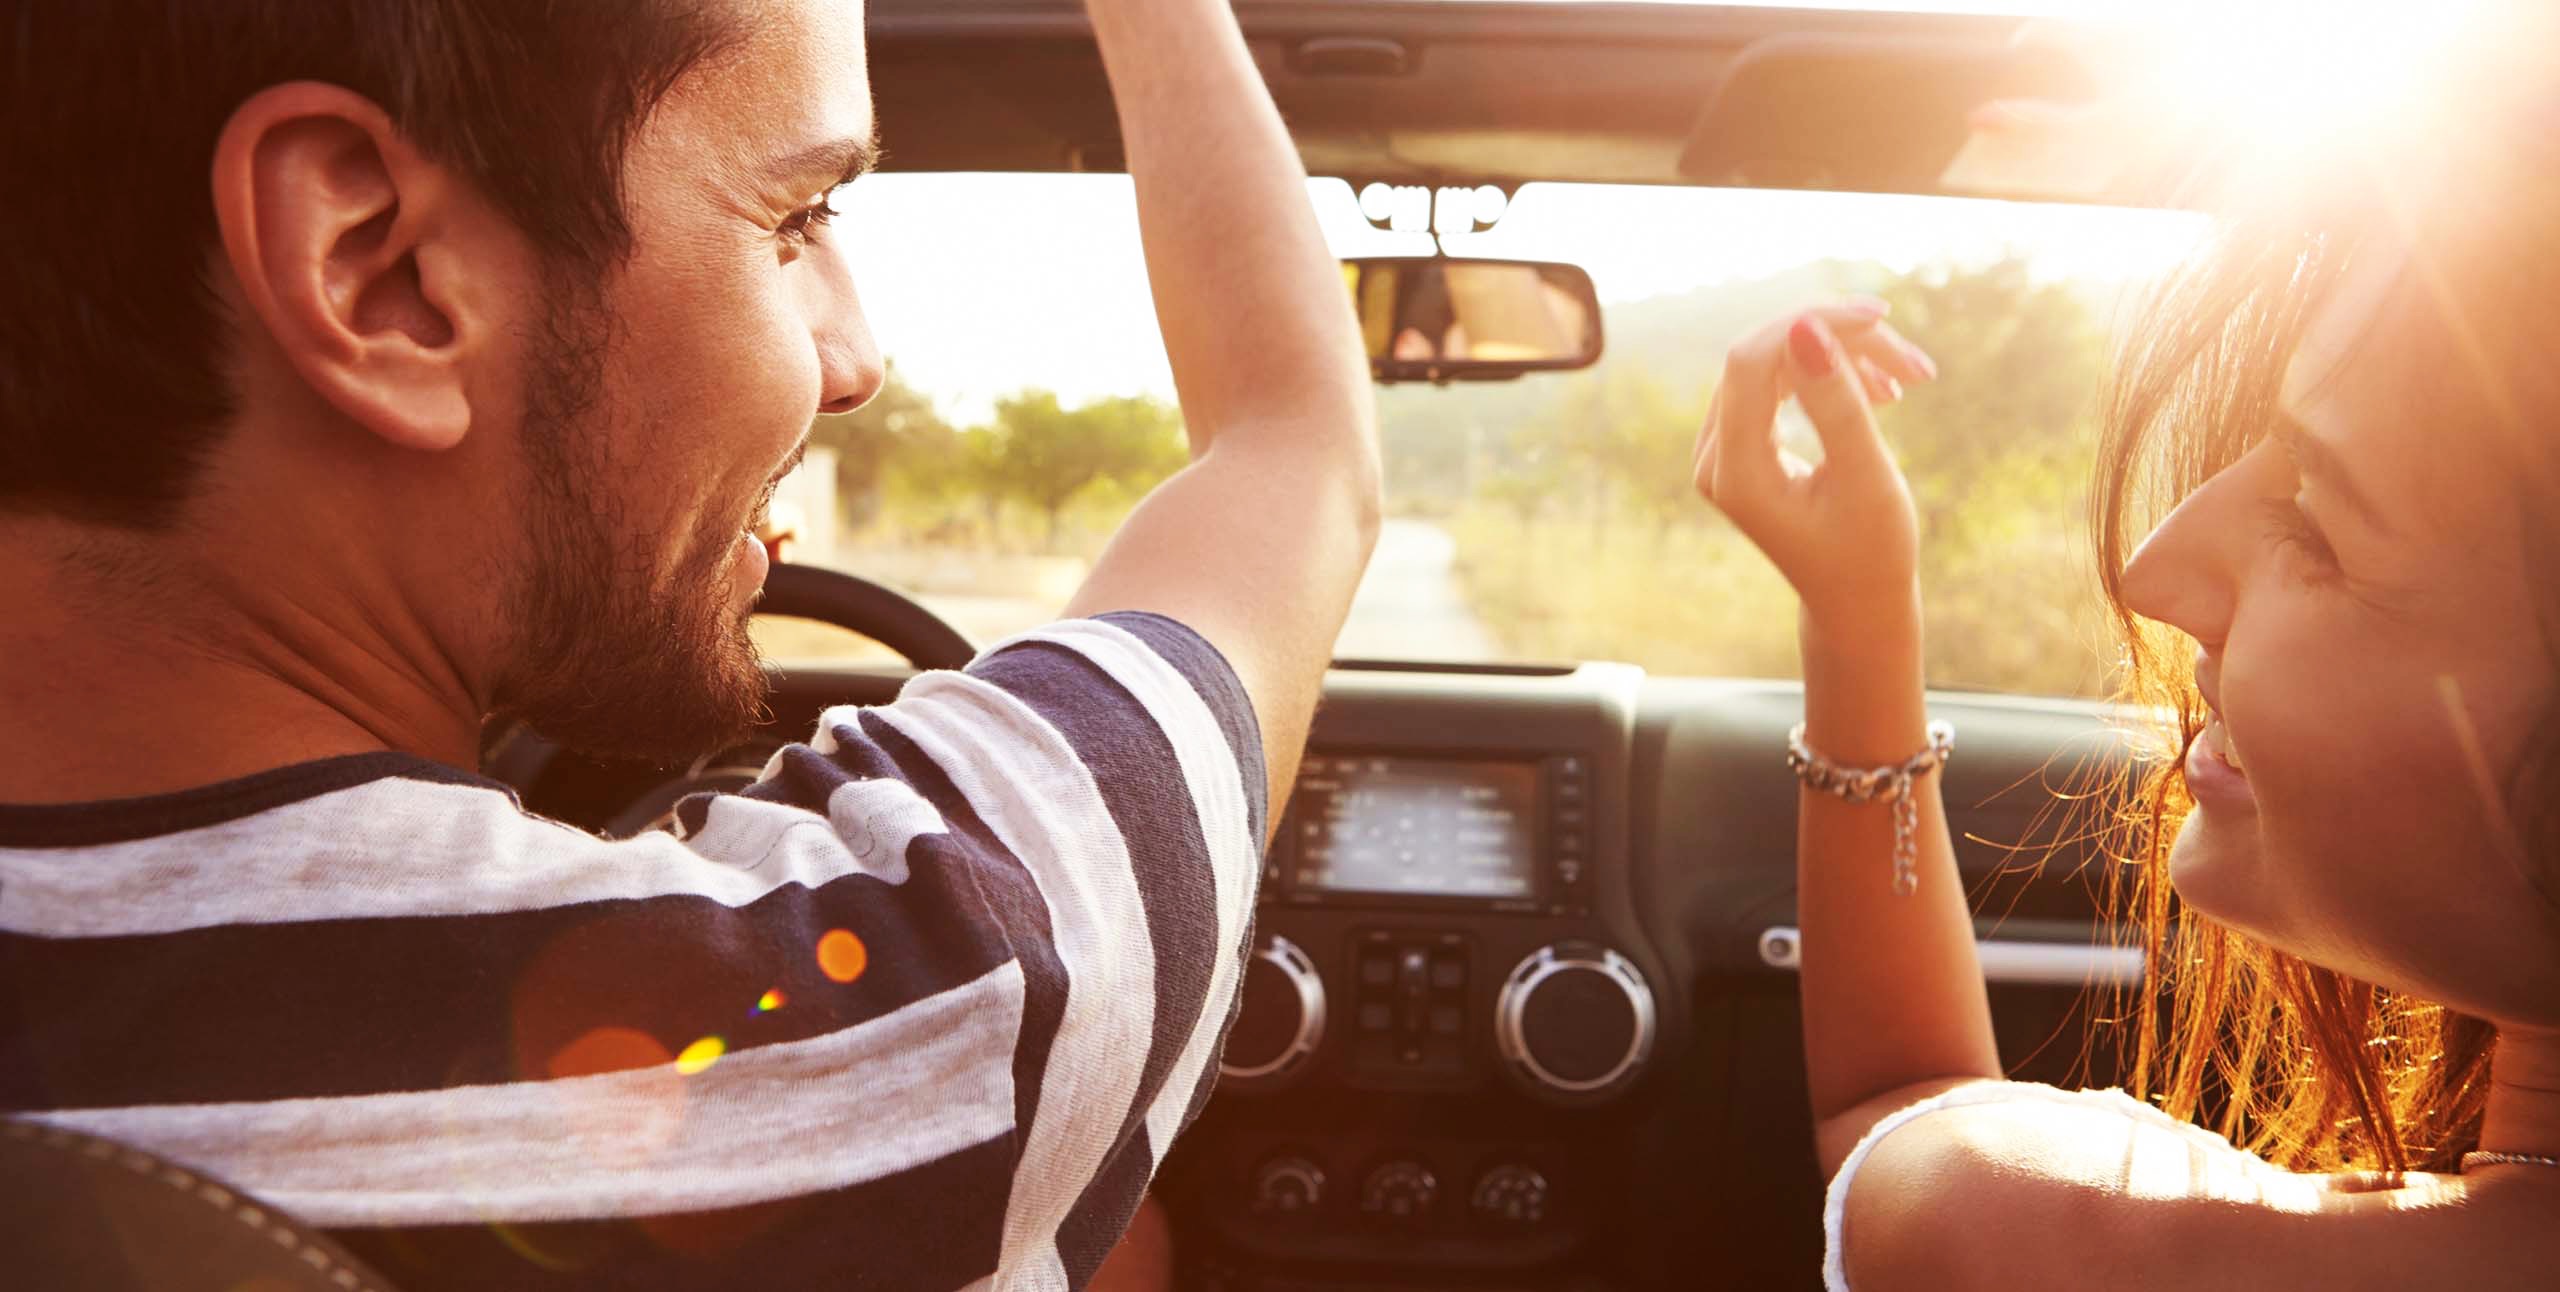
(1045, 454)
(2022, 362)
(899, 421)
(940, 473)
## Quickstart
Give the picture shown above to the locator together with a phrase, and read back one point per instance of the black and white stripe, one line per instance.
(352, 1002)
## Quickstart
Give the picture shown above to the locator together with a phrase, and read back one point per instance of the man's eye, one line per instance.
(802, 225)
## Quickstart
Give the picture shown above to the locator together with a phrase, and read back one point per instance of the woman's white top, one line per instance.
(1835, 1204)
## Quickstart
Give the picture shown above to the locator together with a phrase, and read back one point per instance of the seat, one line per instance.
(85, 1214)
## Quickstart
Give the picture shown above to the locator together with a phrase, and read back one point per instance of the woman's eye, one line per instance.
(2294, 530)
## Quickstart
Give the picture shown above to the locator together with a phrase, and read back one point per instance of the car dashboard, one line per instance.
(1520, 1011)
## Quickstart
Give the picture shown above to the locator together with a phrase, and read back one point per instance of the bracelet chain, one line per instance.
(1891, 784)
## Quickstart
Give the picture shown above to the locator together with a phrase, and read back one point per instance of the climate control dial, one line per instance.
(1575, 1023)
(1402, 1190)
(1511, 1195)
(1288, 1186)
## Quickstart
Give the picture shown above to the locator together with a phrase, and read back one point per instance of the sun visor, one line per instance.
(1881, 114)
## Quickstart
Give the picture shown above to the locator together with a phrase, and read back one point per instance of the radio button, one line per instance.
(1377, 1017)
(1377, 970)
(1449, 971)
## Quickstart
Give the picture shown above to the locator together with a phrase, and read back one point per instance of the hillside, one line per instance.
(1678, 339)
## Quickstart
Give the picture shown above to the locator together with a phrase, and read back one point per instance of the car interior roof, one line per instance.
(1401, 91)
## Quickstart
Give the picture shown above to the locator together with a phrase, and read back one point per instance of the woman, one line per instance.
(2349, 416)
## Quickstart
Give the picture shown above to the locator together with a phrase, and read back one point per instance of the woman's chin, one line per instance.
(2214, 868)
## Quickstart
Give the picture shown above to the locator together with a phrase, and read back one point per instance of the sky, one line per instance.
(2039, 8)
(980, 285)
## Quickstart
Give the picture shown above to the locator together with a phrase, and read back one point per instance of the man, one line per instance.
(371, 368)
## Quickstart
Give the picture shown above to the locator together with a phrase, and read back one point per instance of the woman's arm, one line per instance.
(1893, 1000)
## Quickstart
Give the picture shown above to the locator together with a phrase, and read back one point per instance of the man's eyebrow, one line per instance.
(842, 160)
(2320, 463)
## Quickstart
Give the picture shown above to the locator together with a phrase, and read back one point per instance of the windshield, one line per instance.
(1548, 519)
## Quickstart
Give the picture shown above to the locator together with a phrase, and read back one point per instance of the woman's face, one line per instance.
(2359, 595)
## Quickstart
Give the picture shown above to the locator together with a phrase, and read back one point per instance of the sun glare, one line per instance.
(2266, 80)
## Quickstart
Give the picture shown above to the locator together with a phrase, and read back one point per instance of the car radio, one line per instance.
(1428, 923)
(1406, 831)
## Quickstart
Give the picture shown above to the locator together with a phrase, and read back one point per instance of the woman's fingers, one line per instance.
(1891, 352)
(1702, 456)
(1737, 461)
(1827, 384)
(1880, 388)
(1741, 464)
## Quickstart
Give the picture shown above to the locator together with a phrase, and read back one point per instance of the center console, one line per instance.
(1423, 879)
(1452, 1010)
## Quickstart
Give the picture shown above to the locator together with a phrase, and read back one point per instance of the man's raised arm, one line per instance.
(1259, 543)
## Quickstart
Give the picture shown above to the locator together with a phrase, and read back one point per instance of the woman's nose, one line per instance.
(2187, 573)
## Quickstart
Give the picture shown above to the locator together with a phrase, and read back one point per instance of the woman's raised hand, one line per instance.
(1842, 530)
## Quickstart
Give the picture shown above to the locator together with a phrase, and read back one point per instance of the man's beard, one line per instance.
(604, 658)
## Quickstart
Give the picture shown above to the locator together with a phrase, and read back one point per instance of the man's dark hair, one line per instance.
(112, 346)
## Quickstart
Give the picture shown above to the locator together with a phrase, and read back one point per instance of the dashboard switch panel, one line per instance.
(1412, 1005)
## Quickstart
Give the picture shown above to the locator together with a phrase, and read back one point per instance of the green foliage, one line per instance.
(1045, 455)
(1584, 537)
(1579, 533)
(898, 423)
(927, 483)
(2022, 362)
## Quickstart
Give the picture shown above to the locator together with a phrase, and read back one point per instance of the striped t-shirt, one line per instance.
(921, 1009)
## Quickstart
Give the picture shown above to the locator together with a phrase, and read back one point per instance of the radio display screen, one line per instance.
(1419, 827)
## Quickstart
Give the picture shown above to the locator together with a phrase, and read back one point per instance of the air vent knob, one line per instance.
(1575, 1023)
(1281, 1022)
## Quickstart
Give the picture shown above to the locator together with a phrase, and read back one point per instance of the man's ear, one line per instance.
(370, 265)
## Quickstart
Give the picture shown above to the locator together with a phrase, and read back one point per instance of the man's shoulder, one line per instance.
(1134, 690)
(366, 837)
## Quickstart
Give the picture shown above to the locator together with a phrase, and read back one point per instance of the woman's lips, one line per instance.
(2213, 775)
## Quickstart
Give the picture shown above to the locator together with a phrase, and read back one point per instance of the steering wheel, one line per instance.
(890, 618)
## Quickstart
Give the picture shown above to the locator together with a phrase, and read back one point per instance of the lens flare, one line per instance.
(841, 955)
(769, 1002)
(701, 1055)
(605, 1049)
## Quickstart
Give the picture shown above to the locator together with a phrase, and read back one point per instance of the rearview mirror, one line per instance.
(1438, 319)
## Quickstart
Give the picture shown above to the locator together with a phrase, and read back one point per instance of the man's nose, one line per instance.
(850, 368)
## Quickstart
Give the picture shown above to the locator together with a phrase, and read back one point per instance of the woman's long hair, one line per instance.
(2302, 1065)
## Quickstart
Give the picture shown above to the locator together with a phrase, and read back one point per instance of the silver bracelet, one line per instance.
(1892, 784)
